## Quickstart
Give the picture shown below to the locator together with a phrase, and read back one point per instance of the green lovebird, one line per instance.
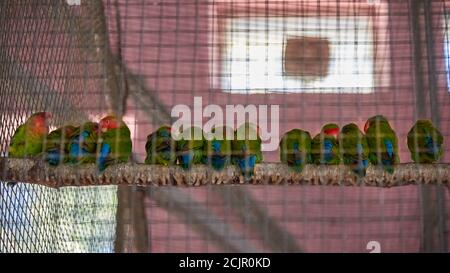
(115, 142)
(425, 142)
(160, 147)
(246, 149)
(190, 148)
(29, 137)
(355, 150)
(383, 143)
(218, 148)
(83, 144)
(57, 145)
(325, 146)
(295, 149)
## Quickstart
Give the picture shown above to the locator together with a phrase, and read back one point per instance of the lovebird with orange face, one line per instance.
(29, 137)
(115, 142)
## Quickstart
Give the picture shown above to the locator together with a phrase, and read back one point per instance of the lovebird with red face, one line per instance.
(115, 142)
(325, 146)
(28, 139)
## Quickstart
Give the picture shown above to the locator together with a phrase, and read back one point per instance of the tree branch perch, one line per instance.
(38, 172)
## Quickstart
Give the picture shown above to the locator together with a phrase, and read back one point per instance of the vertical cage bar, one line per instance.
(440, 212)
(429, 216)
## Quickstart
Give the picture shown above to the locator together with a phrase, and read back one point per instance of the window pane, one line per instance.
(253, 55)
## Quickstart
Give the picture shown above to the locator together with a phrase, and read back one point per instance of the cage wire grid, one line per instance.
(140, 58)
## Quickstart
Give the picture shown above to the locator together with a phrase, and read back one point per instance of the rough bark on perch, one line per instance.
(38, 172)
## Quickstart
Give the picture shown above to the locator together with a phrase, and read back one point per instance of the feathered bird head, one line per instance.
(38, 122)
(350, 128)
(331, 129)
(378, 119)
(109, 122)
(164, 131)
(69, 130)
(424, 122)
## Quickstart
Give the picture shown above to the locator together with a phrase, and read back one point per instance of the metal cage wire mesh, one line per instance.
(142, 57)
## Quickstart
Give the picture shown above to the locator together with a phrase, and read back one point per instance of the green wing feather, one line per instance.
(355, 149)
(417, 142)
(317, 149)
(120, 144)
(247, 142)
(225, 146)
(60, 137)
(295, 149)
(24, 143)
(376, 136)
(196, 146)
(89, 144)
(17, 145)
(160, 147)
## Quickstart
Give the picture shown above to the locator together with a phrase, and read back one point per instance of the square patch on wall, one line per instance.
(306, 57)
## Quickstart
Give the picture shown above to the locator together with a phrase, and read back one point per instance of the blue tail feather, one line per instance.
(389, 148)
(216, 146)
(53, 157)
(360, 167)
(297, 162)
(432, 148)
(359, 148)
(218, 162)
(105, 149)
(186, 160)
(247, 165)
(75, 149)
(217, 159)
(327, 150)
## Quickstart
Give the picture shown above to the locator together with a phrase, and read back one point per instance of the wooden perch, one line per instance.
(38, 172)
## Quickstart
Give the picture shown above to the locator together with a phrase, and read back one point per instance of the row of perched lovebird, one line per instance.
(109, 142)
(242, 148)
(378, 145)
(105, 143)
